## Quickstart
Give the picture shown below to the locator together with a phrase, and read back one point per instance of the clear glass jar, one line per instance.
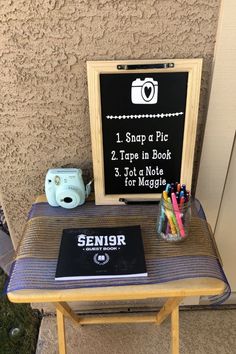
(173, 223)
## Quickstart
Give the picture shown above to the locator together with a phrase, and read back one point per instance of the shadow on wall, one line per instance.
(6, 247)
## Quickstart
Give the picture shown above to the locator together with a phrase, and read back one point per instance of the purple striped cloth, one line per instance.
(39, 273)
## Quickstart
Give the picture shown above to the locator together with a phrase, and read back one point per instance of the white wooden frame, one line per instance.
(94, 69)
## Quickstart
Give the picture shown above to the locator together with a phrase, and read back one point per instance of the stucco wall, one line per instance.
(44, 45)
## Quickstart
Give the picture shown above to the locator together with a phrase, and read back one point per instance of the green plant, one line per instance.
(19, 325)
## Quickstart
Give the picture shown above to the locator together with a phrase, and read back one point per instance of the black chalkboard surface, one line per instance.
(142, 140)
(143, 126)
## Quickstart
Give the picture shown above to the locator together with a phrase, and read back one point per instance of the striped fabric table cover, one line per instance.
(36, 259)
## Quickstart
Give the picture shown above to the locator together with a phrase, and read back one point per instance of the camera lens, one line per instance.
(67, 200)
(69, 197)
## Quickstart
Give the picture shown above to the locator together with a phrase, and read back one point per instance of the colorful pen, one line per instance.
(178, 215)
(167, 187)
(172, 215)
(168, 214)
(182, 200)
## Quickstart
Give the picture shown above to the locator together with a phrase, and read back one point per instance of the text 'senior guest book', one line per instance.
(92, 253)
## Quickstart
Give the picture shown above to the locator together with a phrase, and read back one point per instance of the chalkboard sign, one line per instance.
(143, 125)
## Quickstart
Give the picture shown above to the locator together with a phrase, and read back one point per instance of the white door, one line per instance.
(216, 188)
(221, 116)
(225, 231)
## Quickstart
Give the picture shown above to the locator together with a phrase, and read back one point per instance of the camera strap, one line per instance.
(88, 188)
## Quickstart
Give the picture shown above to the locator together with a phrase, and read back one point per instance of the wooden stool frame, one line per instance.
(174, 291)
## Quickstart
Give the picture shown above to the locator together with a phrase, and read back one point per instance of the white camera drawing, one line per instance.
(144, 91)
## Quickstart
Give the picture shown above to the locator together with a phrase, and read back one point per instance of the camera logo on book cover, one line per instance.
(101, 258)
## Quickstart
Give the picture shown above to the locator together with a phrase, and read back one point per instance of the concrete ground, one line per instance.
(201, 332)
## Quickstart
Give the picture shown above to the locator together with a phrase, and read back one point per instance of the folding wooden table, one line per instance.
(174, 291)
(46, 223)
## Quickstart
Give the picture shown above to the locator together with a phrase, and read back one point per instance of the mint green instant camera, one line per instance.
(65, 187)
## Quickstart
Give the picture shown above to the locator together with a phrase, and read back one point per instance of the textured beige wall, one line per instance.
(44, 45)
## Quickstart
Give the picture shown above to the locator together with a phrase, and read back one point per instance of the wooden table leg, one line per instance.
(65, 309)
(167, 309)
(175, 330)
(171, 307)
(61, 332)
